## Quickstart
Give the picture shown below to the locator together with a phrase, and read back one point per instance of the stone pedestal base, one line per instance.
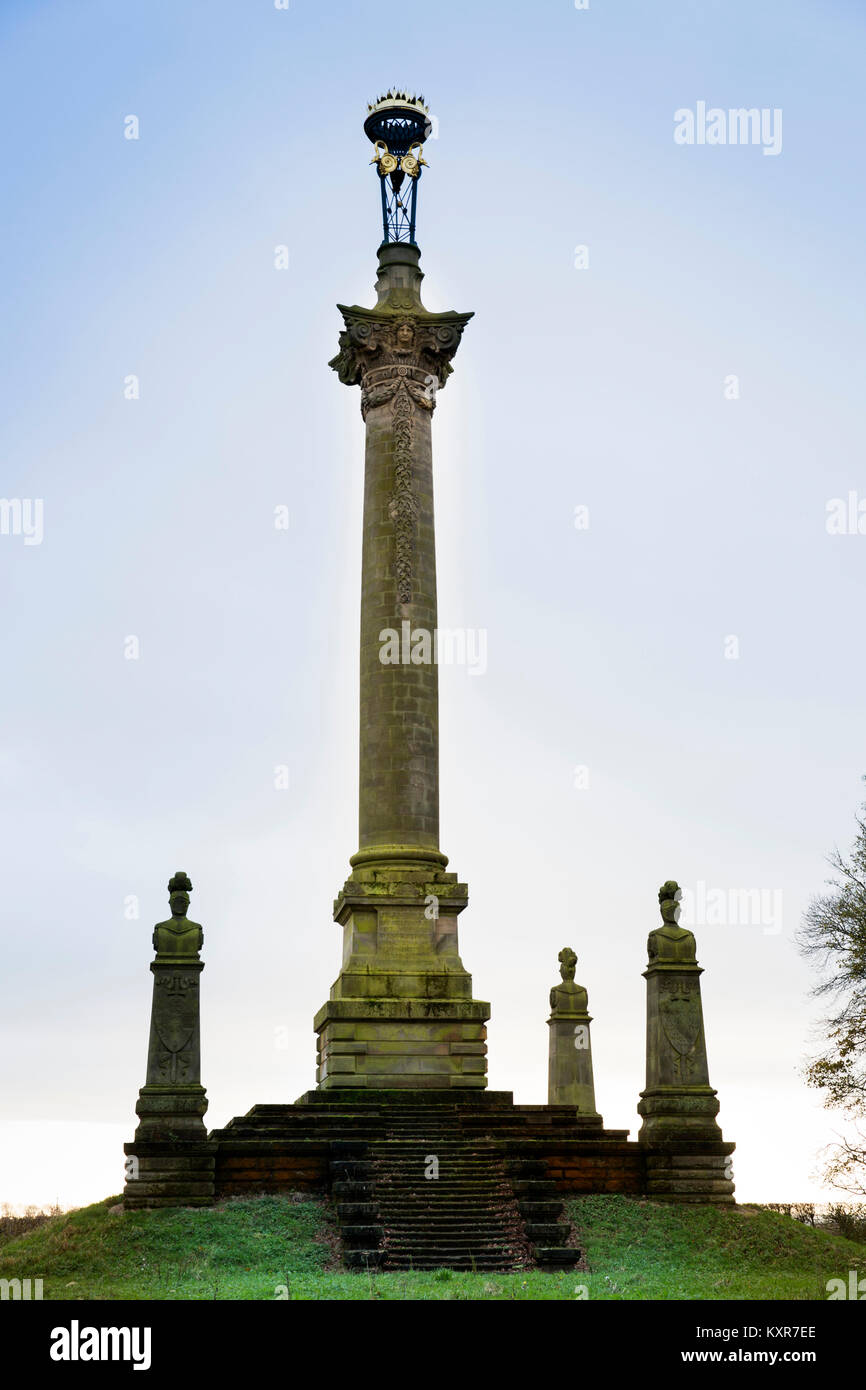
(679, 1112)
(688, 1172)
(171, 1113)
(402, 1044)
(169, 1174)
(401, 1014)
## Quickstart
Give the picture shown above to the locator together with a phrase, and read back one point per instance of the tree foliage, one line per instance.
(833, 936)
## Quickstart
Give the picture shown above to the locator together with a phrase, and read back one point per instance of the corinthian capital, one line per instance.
(380, 348)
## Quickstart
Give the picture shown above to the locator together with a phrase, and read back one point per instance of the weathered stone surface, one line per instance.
(172, 1102)
(177, 1173)
(678, 1105)
(400, 355)
(401, 1009)
(570, 1079)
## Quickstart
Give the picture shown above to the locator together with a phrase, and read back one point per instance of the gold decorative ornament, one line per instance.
(387, 163)
(412, 165)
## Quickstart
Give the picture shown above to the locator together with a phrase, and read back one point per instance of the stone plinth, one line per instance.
(687, 1156)
(570, 1078)
(170, 1162)
(401, 1013)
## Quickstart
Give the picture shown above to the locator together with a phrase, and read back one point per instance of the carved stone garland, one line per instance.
(402, 508)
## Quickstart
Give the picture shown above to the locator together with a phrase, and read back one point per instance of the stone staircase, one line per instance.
(466, 1218)
(424, 1194)
(444, 1200)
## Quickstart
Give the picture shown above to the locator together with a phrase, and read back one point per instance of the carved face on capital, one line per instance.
(179, 903)
(405, 336)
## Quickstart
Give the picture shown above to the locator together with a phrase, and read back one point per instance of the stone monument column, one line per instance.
(401, 1012)
(569, 1078)
(170, 1162)
(687, 1156)
(400, 356)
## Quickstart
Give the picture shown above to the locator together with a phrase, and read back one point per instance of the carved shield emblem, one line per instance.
(175, 1011)
(174, 1033)
(681, 1020)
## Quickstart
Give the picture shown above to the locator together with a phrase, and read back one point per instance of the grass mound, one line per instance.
(244, 1248)
(648, 1250)
(284, 1247)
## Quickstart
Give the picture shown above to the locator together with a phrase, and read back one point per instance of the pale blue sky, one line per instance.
(601, 387)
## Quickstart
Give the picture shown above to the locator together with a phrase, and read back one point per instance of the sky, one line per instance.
(653, 409)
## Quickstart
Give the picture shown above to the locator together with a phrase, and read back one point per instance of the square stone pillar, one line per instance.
(570, 1078)
(687, 1157)
(170, 1162)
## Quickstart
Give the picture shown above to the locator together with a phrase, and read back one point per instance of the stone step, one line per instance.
(525, 1168)
(557, 1256)
(418, 1163)
(385, 1095)
(451, 1259)
(417, 1143)
(357, 1211)
(453, 1222)
(411, 1177)
(434, 1248)
(468, 1218)
(467, 1198)
(423, 1142)
(449, 1221)
(465, 1220)
(448, 1172)
(453, 1200)
(540, 1211)
(417, 1158)
(534, 1188)
(423, 1238)
(452, 1203)
(412, 1173)
(548, 1233)
(423, 1221)
(414, 1177)
(362, 1237)
(448, 1202)
(455, 1262)
(411, 1184)
(455, 1141)
(352, 1191)
(398, 1154)
(363, 1259)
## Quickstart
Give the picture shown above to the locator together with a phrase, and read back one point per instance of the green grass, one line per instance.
(249, 1247)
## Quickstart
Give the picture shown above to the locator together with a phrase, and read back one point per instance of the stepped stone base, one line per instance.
(493, 1199)
(503, 1172)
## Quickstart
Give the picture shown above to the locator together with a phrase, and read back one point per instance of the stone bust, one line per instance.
(670, 942)
(178, 936)
(568, 998)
